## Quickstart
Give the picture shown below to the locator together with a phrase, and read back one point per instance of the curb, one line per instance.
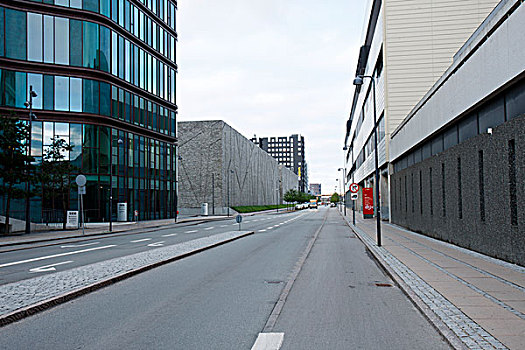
(63, 298)
(105, 233)
(451, 338)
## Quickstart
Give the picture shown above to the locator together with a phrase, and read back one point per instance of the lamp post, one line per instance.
(358, 81)
(344, 188)
(119, 142)
(29, 104)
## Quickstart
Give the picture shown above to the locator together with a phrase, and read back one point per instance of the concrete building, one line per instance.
(219, 166)
(315, 189)
(289, 151)
(459, 170)
(407, 46)
(104, 74)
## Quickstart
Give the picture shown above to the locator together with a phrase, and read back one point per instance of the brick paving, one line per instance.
(479, 298)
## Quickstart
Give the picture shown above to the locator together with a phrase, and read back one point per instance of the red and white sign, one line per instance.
(354, 188)
(368, 201)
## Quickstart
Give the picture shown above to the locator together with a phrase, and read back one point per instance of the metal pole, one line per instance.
(353, 212)
(378, 206)
(28, 184)
(110, 191)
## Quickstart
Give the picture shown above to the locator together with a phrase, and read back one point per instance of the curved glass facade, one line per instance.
(105, 73)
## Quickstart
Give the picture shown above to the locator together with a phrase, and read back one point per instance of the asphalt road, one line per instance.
(222, 298)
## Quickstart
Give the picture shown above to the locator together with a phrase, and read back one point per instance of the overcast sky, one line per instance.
(272, 68)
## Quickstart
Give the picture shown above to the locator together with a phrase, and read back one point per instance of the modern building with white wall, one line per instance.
(458, 167)
(407, 46)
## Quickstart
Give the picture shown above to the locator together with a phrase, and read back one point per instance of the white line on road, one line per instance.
(209, 228)
(141, 240)
(156, 244)
(169, 235)
(268, 341)
(57, 255)
(262, 230)
(191, 231)
(78, 245)
(48, 268)
(269, 228)
(224, 225)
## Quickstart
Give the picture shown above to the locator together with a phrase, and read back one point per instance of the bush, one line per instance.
(256, 208)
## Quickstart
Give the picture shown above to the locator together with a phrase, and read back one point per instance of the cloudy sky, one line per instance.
(272, 68)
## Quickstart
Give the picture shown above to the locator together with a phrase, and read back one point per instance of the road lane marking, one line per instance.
(262, 230)
(48, 268)
(169, 235)
(78, 245)
(192, 231)
(156, 244)
(224, 225)
(209, 228)
(141, 240)
(57, 255)
(268, 341)
(269, 228)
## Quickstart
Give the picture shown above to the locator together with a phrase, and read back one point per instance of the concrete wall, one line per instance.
(210, 150)
(476, 205)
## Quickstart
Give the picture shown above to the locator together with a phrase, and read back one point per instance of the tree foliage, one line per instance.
(334, 198)
(296, 196)
(16, 168)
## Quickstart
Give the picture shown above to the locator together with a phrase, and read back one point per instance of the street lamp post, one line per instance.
(359, 81)
(29, 104)
(344, 188)
(119, 142)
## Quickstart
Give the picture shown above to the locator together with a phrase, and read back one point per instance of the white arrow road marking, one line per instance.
(156, 244)
(48, 268)
(268, 341)
(209, 228)
(56, 255)
(192, 231)
(169, 235)
(141, 240)
(78, 245)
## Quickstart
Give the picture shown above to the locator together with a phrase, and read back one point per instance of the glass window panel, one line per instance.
(61, 40)
(121, 57)
(36, 139)
(491, 114)
(114, 102)
(2, 51)
(127, 18)
(75, 47)
(90, 161)
(36, 81)
(128, 106)
(75, 140)
(49, 36)
(105, 99)
(120, 12)
(114, 54)
(48, 133)
(90, 5)
(105, 48)
(515, 100)
(75, 4)
(90, 96)
(136, 21)
(127, 63)
(34, 37)
(9, 83)
(90, 45)
(105, 7)
(62, 3)
(75, 93)
(90, 136)
(15, 34)
(468, 127)
(62, 93)
(437, 145)
(114, 10)
(49, 92)
(21, 89)
(104, 150)
(450, 137)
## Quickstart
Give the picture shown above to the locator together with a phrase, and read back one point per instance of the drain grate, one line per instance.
(383, 285)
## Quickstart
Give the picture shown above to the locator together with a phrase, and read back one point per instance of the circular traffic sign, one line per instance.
(238, 218)
(354, 188)
(81, 180)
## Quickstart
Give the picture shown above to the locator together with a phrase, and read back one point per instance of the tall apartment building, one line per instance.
(407, 46)
(104, 74)
(315, 189)
(288, 151)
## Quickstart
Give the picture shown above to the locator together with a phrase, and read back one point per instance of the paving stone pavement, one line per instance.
(466, 329)
(26, 293)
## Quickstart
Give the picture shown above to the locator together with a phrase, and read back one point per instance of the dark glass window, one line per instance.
(491, 114)
(105, 48)
(49, 92)
(417, 155)
(90, 5)
(9, 84)
(120, 57)
(90, 96)
(427, 150)
(15, 34)
(2, 32)
(128, 106)
(105, 99)
(114, 102)
(468, 127)
(75, 46)
(90, 136)
(105, 7)
(437, 144)
(90, 160)
(450, 137)
(114, 10)
(515, 100)
(90, 45)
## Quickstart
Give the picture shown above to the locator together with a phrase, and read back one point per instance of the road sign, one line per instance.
(81, 180)
(238, 218)
(81, 189)
(354, 188)
(354, 196)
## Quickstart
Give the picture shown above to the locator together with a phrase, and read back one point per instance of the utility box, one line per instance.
(204, 209)
(122, 212)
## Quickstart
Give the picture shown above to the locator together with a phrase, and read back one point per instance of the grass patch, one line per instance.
(255, 208)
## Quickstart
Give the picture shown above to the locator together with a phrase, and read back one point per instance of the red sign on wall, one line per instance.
(368, 202)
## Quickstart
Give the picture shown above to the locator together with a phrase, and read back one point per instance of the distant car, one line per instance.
(332, 204)
(313, 204)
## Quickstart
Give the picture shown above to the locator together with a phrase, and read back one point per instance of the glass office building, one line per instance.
(104, 72)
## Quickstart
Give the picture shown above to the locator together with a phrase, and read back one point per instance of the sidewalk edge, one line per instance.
(63, 298)
(436, 322)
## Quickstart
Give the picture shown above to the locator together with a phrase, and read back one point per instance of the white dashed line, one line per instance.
(268, 341)
(169, 235)
(209, 228)
(192, 231)
(141, 240)
(262, 230)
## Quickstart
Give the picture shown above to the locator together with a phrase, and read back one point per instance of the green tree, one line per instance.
(56, 170)
(290, 196)
(334, 198)
(16, 168)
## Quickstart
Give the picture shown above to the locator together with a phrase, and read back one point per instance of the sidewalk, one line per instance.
(94, 229)
(470, 297)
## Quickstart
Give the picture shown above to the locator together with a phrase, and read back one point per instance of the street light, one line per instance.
(119, 142)
(344, 188)
(29, 104)
(358, 81)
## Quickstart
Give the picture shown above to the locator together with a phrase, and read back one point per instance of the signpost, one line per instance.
(238, 218)
(81, 183)
(354, 189)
